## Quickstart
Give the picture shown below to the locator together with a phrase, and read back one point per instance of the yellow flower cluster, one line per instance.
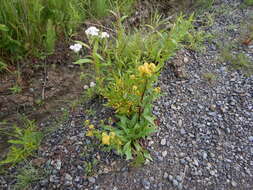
(110, 139)
(90, 132)
(147, 69)
(157, 89)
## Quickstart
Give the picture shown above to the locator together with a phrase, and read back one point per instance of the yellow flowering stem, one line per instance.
(142, 97)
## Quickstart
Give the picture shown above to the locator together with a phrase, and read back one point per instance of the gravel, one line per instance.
(204, 139)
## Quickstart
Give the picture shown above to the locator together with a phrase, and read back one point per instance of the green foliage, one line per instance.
(238, 61)
(28, 175)
(248, 2)
(26, 25)
(23, 143)
(204, 4)
(50, 37)
(101, 8)
(16, 89)
(3, 66)
(126, 68)
(210, 77)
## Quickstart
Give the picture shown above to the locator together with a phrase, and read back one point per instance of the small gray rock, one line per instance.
(251, 138)
(180, 186)
(165, 175)
(233, 183)
(182, 131)
(186, 60)
(175, 182)
(91, 179)
(146, 184)
(204, 155)
(179, 178)
(164, 153)
(163, 142)
(68, 177)
(170, 178)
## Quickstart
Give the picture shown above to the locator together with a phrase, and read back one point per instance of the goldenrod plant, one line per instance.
(127, 66)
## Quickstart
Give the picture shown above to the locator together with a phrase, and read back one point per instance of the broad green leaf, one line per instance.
(127, 150)
(83, 44)
(82, 61)
(3, 28)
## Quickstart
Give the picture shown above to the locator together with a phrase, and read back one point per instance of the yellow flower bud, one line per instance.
(87, 122)
(132, 76)
(91, 126)
(105, 138)
(152, 67)
(89, 133)
(134, 87)
(157, 90)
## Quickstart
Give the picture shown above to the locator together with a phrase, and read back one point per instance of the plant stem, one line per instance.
(142, 97)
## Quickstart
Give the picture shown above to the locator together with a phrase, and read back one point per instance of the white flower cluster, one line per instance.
(92, 84)
(93, 31)
(76, 47)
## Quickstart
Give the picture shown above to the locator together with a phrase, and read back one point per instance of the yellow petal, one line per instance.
(91, 126)
(105, 139)
(89, 133)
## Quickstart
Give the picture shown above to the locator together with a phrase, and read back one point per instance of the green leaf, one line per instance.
(4, 28)
(127, 150)
(147, 155)
(149, 119)
(83, 44)
(82, 61)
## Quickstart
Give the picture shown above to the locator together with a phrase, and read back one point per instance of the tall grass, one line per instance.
(31, 27)
(28, 26)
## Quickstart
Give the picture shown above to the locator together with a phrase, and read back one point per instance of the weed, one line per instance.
(39, 102)
(241, 61)
(90, 112)
(248, 2)
(28, 175)
(26, 25)
(16, 89)
(90, 166)
(238, 61)
(210, 77)
(204, 4)
(23, 143)
(3, 66)
(127, 66)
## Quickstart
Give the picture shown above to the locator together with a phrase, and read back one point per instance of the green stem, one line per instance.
(142, 97)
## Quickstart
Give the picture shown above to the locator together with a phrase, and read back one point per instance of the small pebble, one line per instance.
(170, 178)
(164, 153)
(163, 142)
(175, 182)
(91, 179)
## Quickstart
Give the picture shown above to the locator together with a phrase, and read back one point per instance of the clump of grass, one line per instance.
(238, 61)
(24, 141)
(248, 2)
(210, 77)
(27, 26)
(28, 175)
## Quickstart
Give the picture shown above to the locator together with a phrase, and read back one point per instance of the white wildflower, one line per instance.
(85, 87)
(76, 47)
(92, 84)
(92, 31)
(104, 35)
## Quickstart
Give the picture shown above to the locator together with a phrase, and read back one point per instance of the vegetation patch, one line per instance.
(24, 142)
